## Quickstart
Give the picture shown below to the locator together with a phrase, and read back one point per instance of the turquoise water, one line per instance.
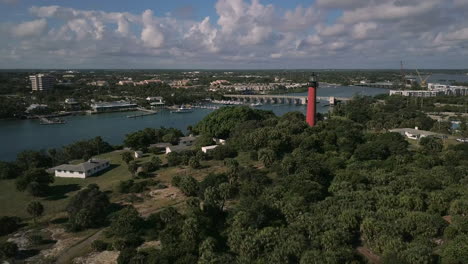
(19, 135)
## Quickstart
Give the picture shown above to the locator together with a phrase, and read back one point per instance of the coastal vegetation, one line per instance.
(278, 191)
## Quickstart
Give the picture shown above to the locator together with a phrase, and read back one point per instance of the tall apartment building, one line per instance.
(42, 82)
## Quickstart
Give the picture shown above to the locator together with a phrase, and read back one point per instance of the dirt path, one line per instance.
(77, 250)
(369, 255)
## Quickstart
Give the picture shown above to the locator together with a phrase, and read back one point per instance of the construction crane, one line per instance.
(402, 76)
(423, 82)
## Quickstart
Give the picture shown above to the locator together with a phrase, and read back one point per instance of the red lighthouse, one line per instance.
(312, 100)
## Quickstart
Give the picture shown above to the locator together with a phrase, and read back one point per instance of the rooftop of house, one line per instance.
(82, 167)
(160, 145)
(188, 138)
(210, 147)
(177, 148)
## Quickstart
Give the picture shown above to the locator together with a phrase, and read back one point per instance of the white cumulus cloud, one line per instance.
(245, 33)
(30, 28)
(151, 35)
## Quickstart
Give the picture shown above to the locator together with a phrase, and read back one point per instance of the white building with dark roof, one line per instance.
(81, 170)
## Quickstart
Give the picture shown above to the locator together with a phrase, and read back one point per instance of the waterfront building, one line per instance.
(416, 93)
(448, 89)
(82, 170)
(434, 89)
(34, 107)
(71, 104)
(113, 106)
(156, 101)
(41, 82)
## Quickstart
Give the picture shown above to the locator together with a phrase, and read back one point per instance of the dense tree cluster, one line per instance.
(143, 138)
(315, 195)
(324, 192)
(8, 250)
(9, 224)
(12, 107)
(130, 186)
(88, 208)
(35, 181)
(35, 209)
(9, 170)
(220, 123)
(392, 112)
(85, 149)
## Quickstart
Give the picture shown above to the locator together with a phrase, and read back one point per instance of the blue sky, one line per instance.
(233, 34)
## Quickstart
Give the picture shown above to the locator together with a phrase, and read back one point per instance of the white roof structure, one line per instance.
(81, 170)
(208, 148)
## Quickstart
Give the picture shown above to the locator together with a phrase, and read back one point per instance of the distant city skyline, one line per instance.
(233, 34)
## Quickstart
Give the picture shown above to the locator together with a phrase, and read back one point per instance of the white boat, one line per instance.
(256, 104)
(182, 110)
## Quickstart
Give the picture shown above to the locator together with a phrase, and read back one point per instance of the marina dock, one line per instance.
(51, 121)
(146, 113)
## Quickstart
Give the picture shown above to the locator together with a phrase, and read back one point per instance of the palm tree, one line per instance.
(267, 156)
(35, 209)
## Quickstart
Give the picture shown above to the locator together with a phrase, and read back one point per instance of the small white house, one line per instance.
(138, 154)
(81, 170)
(208, 148)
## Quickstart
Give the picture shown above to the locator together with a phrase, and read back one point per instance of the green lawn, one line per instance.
(13, 203)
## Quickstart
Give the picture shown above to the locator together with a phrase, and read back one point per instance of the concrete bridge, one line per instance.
(386, 85)
(281, 99)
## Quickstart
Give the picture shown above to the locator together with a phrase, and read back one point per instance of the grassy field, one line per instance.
(13, 203)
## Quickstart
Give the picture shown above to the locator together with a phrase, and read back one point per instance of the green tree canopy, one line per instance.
(35, 181)
(221, 122)
(88, 208)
